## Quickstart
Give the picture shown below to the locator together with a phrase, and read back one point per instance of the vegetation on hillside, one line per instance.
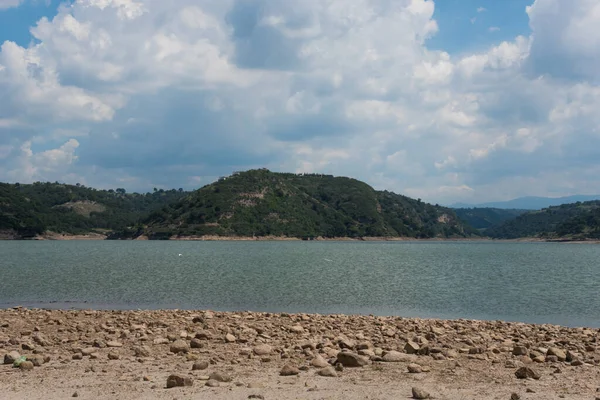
(568, 221)
(264, 203)
(484, 218)
(31, 209)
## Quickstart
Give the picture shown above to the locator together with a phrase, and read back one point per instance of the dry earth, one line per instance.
(214, 355)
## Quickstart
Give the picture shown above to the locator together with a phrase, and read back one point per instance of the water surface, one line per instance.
(529, 282)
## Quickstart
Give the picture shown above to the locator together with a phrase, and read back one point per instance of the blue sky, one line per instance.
(447, 100)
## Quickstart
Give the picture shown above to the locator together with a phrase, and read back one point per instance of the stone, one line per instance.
(526, 372)
(11, 357)
(200, 365)
(88, 351)
(77, 356)
(26, 366)
(114, 344)
(219, 377)
(229, 338)
(411, 347)
(515, 396)
(141, 351)
(576, 363)
(37, 360)
(345, 343)
(160, 340)
(113, 356)
(328, 372)
(520, 351)
(297, 329)
(176, 380)
(212, 383)
(418, 393)
(319, 362)
(262, 349)
(348, 359)
(559, 353)
(396, 356)
(179, 346)
(196, 343)
(289, 370)
(414, 368)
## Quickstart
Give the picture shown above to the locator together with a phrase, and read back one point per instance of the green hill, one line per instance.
(264, 203)
(574, 221)
(483, 218)
(27, 210)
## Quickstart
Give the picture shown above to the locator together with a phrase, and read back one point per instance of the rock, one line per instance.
(327, 371)
(526, 372)
(297, 329)
(345, 343)
(75, 394)
(576, 363)
(396, 356)
(289, 370)
(88, 351)
(348, 359)
(212, 383)
(141, 351)
(515, 396)
(520, 351)
(37, 360)
(196, 343)
(27, 346)
(559, 353)
(11, 357)
(179, 346)
(414, 368)
(77, 356)
(256, 396)
(113, 356)
(114, 344)
(219, 377)
(319, 362)
(411, 348)
(418, 393)
(200, 365)
(176, 380)
(160, 341)
(229, 338)
(262, 349)
(26, 366)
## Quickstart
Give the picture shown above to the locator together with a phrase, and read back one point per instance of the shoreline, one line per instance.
(235, 355)
(215, 238)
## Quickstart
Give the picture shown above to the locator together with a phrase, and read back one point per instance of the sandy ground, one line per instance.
(130, 355)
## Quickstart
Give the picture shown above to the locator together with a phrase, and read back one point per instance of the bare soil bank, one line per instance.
(244, 355)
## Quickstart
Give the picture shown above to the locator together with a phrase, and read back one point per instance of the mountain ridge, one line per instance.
(529, 202)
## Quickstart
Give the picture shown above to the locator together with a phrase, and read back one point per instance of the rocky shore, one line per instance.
(169, 354)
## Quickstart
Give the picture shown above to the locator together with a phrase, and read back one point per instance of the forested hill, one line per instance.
(27, 210)
(576, 221)
(264, 203)
(484, 218)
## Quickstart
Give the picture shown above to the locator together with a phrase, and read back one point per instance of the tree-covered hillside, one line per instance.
(264, 203)
(484, 218)
(568, 221)
(30, 209)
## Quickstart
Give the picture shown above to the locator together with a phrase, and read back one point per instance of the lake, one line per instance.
(529, 282)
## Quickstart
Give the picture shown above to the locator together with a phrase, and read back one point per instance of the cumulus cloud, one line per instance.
(4, 4)
(149, 93)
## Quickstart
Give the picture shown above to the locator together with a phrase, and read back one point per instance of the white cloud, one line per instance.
(4, 4)
(493, 29)
(162, 94)
(481, 9)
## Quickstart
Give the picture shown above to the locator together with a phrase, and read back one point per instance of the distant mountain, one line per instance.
(264, 203)
(484, 218)
(575, 221)
(530, 202)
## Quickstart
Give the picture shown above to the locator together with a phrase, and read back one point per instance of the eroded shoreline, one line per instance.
(234, 355)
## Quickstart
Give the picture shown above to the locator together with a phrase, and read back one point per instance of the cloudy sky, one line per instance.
(446, 100)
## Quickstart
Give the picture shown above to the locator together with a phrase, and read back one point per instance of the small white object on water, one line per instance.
(179, 254)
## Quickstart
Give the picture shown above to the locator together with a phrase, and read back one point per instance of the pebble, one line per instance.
(348, 359)
(396, 356)
(26, 366)
(526, 372)
(319, 362)
(418, 393)
(229, 338)
(176, 380)
(217, 376)
(179, 346)
(327, 371)
(414, 368)
(114, 344)
(262, 349)
(200, 365)
(113, 356)
(289, 370)
(212, 383)
(411, 348)
(11, 357)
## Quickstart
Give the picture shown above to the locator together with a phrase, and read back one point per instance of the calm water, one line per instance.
(530, 282)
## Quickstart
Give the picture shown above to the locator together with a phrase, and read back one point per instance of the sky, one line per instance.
(445, 100)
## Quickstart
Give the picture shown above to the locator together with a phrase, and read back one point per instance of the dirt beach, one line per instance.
(244, 355)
